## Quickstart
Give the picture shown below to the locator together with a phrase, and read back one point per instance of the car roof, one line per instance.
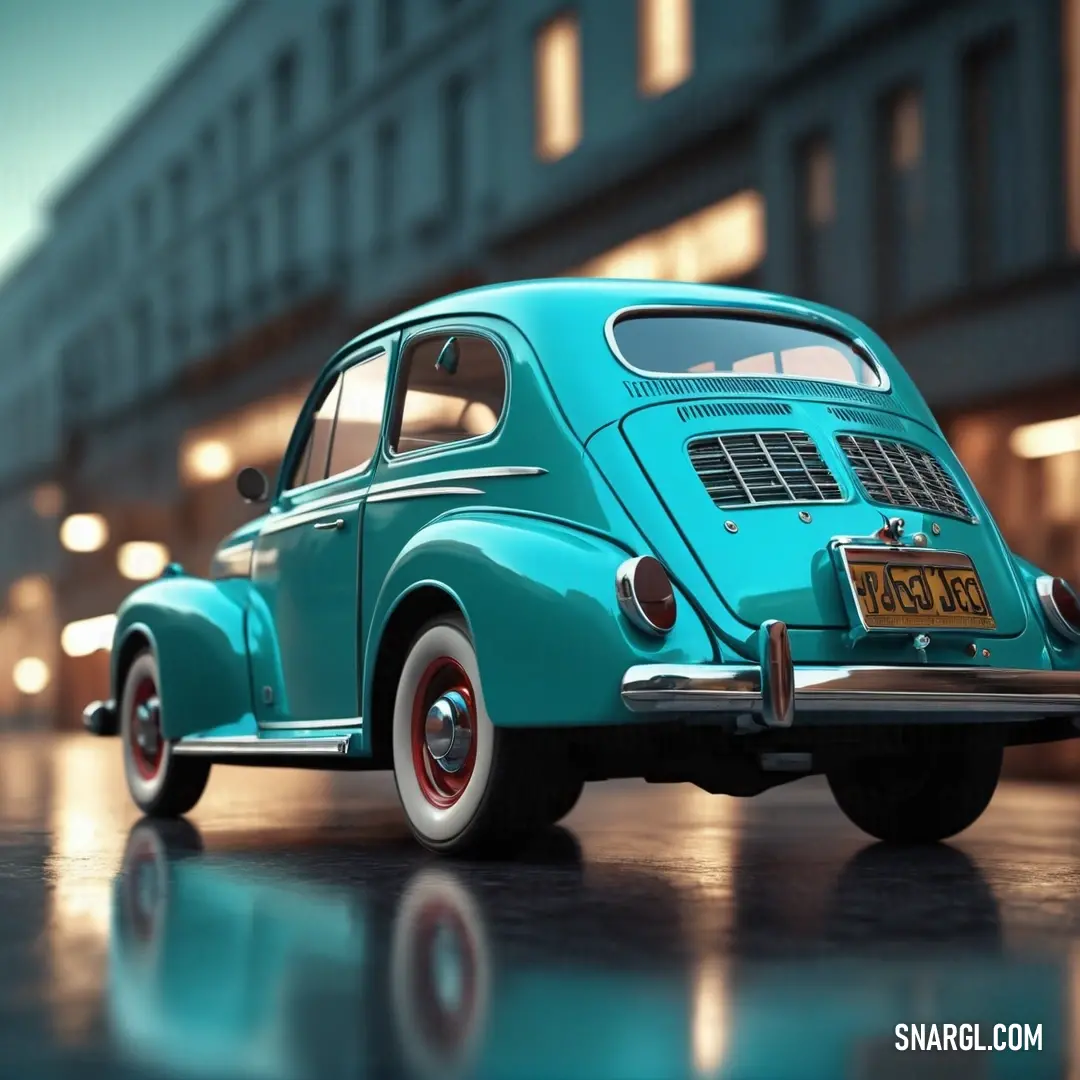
(584, 377)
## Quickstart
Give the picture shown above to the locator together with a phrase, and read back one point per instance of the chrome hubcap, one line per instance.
(148, 726)
(447, 734)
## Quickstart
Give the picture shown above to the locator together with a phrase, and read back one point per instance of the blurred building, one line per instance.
(310, 168)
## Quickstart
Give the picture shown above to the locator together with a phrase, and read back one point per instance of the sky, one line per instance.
(71, 72)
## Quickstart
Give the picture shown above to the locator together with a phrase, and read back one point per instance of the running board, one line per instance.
(255, 746)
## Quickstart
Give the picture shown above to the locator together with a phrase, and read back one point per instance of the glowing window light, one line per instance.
(86, 636)
(30, 675)
(1046, 438)
(141, 560)
(208, 460)
(721, 242)
(666, 52)
(84, 532)
(558, 87)
(30, 593)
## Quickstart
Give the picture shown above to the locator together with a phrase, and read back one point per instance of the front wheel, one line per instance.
(161, 784)
(920, 797)
(466, 786)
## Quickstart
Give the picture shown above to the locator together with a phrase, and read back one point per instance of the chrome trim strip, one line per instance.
(811, 320)
(737, 689)
(253, 745)
(1044, 589)
(329, 500)
(416, 493)
(303, 516)
(498, 471)
(292, 725)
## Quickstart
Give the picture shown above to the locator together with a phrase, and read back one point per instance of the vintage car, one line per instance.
(538, 534)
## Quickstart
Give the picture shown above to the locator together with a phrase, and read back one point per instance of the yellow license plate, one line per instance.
(908, 589)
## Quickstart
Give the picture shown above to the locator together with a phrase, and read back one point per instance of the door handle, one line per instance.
(337, 523)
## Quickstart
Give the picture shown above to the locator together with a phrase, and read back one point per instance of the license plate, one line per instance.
(909, 589)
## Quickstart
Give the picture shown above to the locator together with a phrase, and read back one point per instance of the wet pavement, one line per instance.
(292, 929)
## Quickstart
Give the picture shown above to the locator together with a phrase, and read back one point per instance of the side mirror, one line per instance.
(449, 355)
(253, 485)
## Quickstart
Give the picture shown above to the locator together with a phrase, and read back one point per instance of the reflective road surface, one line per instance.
(293, 930)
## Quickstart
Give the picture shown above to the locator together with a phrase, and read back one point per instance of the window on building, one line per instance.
(665, 44)
(386, 169)
(179, 186)
(391, 24)
(340, 207)
(179, 330)
(359, 415)
(460, 399)
(288, 235)
(455, 135)
(144, 221)
(142, 337)
(816, 171)
(991, 156)
(798, 19)
(254, 254)
(557, 61)
(284, 80)
(900, 195)
(339, 49)
(723, 242)
(242, 124)
(210, 156)
(221, 277)
(1071, 112)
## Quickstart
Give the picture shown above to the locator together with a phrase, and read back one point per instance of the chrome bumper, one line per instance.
(775, 690)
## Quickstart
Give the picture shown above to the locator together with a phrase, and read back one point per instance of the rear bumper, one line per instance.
(1010, 692)
(772, 692)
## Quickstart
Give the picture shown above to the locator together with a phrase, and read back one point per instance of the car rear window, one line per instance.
(675, 344)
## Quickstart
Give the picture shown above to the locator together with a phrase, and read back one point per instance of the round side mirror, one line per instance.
(252, 485)
(449, 356)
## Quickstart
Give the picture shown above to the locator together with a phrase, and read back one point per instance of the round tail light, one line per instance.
(645, 594)
(1061, 605)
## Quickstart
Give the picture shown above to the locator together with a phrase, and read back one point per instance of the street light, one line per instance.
(84, 532)
(30, 675)
(141, 560)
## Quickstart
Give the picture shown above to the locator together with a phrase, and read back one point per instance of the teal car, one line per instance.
(539, 534)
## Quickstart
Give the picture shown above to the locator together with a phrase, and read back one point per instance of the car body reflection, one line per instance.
(253, 966)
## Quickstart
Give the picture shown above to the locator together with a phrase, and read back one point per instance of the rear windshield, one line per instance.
(674, 344)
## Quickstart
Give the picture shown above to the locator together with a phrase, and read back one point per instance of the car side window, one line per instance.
(359, 415)
(460, 398)
(311, 465)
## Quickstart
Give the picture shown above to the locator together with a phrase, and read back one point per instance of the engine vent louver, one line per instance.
(770, 386)
(766, 467)
(897, 474)
(865, 416)
(733, 408)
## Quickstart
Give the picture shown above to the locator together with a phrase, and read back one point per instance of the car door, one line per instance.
(303, 625)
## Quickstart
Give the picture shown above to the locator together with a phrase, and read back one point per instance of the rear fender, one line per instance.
(196, 629)
(538, 595)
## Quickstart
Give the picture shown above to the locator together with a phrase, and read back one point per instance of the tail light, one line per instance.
(645, 594)
(1060, 604)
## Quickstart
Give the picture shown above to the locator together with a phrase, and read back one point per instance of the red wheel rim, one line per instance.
(147, 760)
(439, 787)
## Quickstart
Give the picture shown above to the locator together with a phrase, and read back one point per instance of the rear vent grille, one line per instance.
(763, 467)
(733, 408)
(897, 474)
(771, 386)
(864, 416)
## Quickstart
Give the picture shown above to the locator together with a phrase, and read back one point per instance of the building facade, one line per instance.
(310, 168)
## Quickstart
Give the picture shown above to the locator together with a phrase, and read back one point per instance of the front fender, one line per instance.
(196, 628)
(539, 597)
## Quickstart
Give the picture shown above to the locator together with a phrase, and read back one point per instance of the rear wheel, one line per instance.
(918, 798)
(466, 785)
(161, 784)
